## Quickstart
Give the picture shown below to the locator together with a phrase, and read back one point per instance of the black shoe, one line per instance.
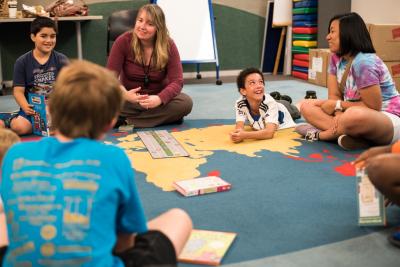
(287, 98)
(275, 95)
(120, 122)
(394, 239)
(311, 95)
(179, 122)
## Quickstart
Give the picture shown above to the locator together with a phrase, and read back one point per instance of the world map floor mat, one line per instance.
(287, 194)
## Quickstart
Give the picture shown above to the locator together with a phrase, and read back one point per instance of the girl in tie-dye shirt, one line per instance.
(365, 112)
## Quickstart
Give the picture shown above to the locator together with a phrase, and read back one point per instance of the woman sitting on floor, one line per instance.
(147, 61)
(363, 106)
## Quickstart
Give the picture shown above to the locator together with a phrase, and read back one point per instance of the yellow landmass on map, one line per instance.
(200, 143)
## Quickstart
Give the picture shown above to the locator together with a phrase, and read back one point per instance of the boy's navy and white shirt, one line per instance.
(36, 77)
(270, 112)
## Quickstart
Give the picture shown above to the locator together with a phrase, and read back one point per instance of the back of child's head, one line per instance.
(241, 78)
(85, 100)
(7, 139)
(42, 22)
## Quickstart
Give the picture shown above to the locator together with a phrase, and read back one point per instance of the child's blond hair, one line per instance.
(7, 139)
(85, 100)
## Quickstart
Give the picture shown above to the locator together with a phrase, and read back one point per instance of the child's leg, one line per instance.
(159, 246)
(21, 125)
(176, 225)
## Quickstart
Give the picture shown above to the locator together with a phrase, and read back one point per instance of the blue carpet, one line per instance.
(278, 203)
(287, 211)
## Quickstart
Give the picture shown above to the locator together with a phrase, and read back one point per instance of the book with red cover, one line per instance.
(200, 186)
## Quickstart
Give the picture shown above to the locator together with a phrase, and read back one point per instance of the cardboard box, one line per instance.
(397, 82)
(318, 66)
(394, 69)
(386, 40)
(3, 8)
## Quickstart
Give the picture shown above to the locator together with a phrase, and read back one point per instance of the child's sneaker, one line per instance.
(394, 239)
(7, 121)
(351, 143)
(309, 132)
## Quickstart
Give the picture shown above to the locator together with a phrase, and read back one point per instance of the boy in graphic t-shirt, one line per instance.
(35, 71)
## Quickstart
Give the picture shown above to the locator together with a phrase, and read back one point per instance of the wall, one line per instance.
(378, 12)
(239, 34)
(326, 10)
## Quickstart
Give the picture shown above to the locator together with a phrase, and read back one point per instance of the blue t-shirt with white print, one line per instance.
(66, 202)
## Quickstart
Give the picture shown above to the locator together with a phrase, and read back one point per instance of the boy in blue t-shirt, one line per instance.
(70, 199)
(35, 71)
(7, 139)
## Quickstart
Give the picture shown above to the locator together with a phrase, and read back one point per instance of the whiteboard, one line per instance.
(191, 25)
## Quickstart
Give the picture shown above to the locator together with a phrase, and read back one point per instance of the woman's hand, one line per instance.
(133, 95)
(151, 101)
(329, 106)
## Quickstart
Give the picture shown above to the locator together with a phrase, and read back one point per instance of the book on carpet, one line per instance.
(40, 120)
(161, 144)
(126, 128)
(371, 203)
(200, 186)
(206, 247)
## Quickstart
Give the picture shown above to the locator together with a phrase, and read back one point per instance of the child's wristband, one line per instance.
(396, 148)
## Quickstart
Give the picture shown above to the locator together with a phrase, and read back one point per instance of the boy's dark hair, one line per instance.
(42, 22)
(241, 78)
(353, 35)
(85, 100)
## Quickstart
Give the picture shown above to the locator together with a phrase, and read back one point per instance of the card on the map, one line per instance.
(161, 144)
(371, 203)
(206, 247)
(126, 128)
(40, 120)
(200, 186)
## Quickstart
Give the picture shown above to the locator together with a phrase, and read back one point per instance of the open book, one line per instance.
(206, 247)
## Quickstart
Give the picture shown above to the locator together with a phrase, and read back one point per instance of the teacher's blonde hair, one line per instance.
(161, 39)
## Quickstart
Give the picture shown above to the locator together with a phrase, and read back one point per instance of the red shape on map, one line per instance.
(214, 173)
(119, 134)
(316, 156)
(175, 130)
(347, 169)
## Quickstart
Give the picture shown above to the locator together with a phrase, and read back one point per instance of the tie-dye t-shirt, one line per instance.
(367, 70)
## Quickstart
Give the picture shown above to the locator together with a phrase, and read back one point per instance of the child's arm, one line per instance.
(239, 125)
(267, 133)
(21, 100)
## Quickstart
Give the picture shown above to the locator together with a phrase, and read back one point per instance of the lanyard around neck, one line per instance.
(146, 80)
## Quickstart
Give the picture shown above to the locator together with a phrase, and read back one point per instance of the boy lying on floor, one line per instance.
(263, 113)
